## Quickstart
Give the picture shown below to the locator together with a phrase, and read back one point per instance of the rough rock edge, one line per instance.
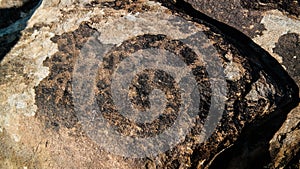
(19, 80)
(284, 23)
(56, 32)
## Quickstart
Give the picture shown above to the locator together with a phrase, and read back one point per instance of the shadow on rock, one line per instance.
(12, 21)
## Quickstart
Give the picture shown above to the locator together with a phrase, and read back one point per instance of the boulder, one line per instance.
(139, 84)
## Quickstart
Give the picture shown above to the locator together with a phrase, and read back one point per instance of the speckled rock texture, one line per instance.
(74, 52)
(13, 3)
(263, 21)
(278, 33)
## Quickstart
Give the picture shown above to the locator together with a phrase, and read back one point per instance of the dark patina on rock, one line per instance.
(288, 46)
(258, 99)
(290, 6)
(244, 15)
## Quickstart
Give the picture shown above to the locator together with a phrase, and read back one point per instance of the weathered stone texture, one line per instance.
(39, 124)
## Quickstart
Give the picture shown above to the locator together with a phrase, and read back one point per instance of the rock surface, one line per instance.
(12, 4)
(278, 33)
(260, 20)
(14, 16)
(58, 55)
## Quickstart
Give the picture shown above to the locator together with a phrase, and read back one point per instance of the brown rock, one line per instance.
(64, 83)
(290, 6)
(284, 147)
(279, 36)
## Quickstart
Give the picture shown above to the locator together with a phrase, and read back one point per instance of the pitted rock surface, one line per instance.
(288, 46)
(239, 112)
(277, 34)
(54, 93)
(290, 6)
(260, 93)
(246, 16)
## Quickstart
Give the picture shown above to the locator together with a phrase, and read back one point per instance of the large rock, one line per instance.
(208, 95)
(275, 26)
